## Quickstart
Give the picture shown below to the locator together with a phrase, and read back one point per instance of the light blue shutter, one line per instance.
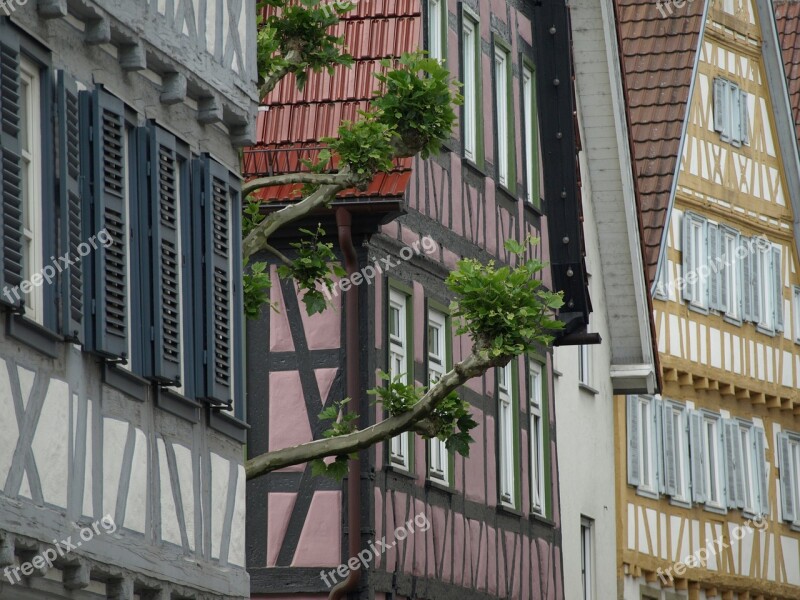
(10, 167)
(658, 443)
(761, 469)
(746, 279)
(670, 456)
(721, 119)
(714, 274)
(634, 452)
(70, 205)
(777, 283)
(696, 450)
(111, 263)
(745, 118)
(758, 282)
(735, 97)
(787, 479)
(731, 443)
(688, 256)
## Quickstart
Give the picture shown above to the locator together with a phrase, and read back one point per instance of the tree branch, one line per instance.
(278, 254)
(292, 60)
(292, 178)
(473, 366)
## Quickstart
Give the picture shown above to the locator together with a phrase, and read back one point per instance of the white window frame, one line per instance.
(439, 468)
(471, 49)
(587, 559)
(746, 458)
(505, 419)
(537, 425)
(398, 358)
(713, 448)
(793, 474)
(501, 90)
(585, 365)
(647, 442)
(680, 448)
(31, 146)
(437, 19)
(531, 145)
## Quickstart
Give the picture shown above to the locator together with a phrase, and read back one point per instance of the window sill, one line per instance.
(125, 382)
(588, 389)
(539, 518)
(720, 510)
(698, 309)
(34, 335)
(536, 211)
(765, 330)
(504, 509)
(178, 405)
(732, 320)
(505, 193)
(228, 425)
(401, 471)
(471, 165)
(434, 484)
(647, 494)
(680, 502)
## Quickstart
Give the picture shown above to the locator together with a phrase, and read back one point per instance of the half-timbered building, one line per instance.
(121, 405)
(477, 527)
(708, 470)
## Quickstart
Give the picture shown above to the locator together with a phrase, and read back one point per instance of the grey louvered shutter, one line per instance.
(730, 431)
(70, 205)
(217, 248)
(670, 456)
(714, 274)
(747, 279)
(788, 509)
(110, 215)
(165, 210)
(777, 286)
(759, 440)
(758, 282)
(719, 104)
(735, 98)
(10, 169)
(745, 118)
(688, 255)
(634, 452)
(696, 449)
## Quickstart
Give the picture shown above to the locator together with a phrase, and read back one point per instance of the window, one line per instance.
(789, 470)
(731, 117)
(711, 460)
(695, 256)
(471, 49)
(506, 435)
(437, 29)
(531, 138)
(504, 111)
(31, 183)
(676, 452)
(730, 273)
(537, 439)
(769, 288)
(643, 444)
(587, 559)
(707, 468)
(585, 364)
(399, 367)
(438, 363)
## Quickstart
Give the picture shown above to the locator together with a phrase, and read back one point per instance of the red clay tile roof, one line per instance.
(787, 15)
(289, 132)
(657, 57)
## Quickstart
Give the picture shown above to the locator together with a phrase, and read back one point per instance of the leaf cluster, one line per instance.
(256, 280)
(506, 311)
(342, 423)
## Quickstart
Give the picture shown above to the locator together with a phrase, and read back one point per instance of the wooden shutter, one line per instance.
(735, 98)
(745, 118)
(10, 169)
(746, 278)
(634, 475)
(70, 205)
(721, 116)
(762, 485)
(777, 286)
(217, 248)
(688, 255)
(730, 436)
(714, 273)
(165, 225)
(788, 509)
(110, 214)
(670, 456)
(757, 282)
(696, 450)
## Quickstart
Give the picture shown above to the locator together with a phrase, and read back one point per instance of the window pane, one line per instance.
(501, 102)
(530, 148)
(470, 89)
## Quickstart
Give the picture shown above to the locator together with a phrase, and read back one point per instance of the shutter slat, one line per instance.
(787, 479)
(70, 205)
(167, 291)
(110, 213)
(11, 267)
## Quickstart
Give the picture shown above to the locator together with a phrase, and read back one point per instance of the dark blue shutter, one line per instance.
(217, 248)
(10, 169)
(111, 264)
(70, 205)
(167, 256)
(237, 354)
